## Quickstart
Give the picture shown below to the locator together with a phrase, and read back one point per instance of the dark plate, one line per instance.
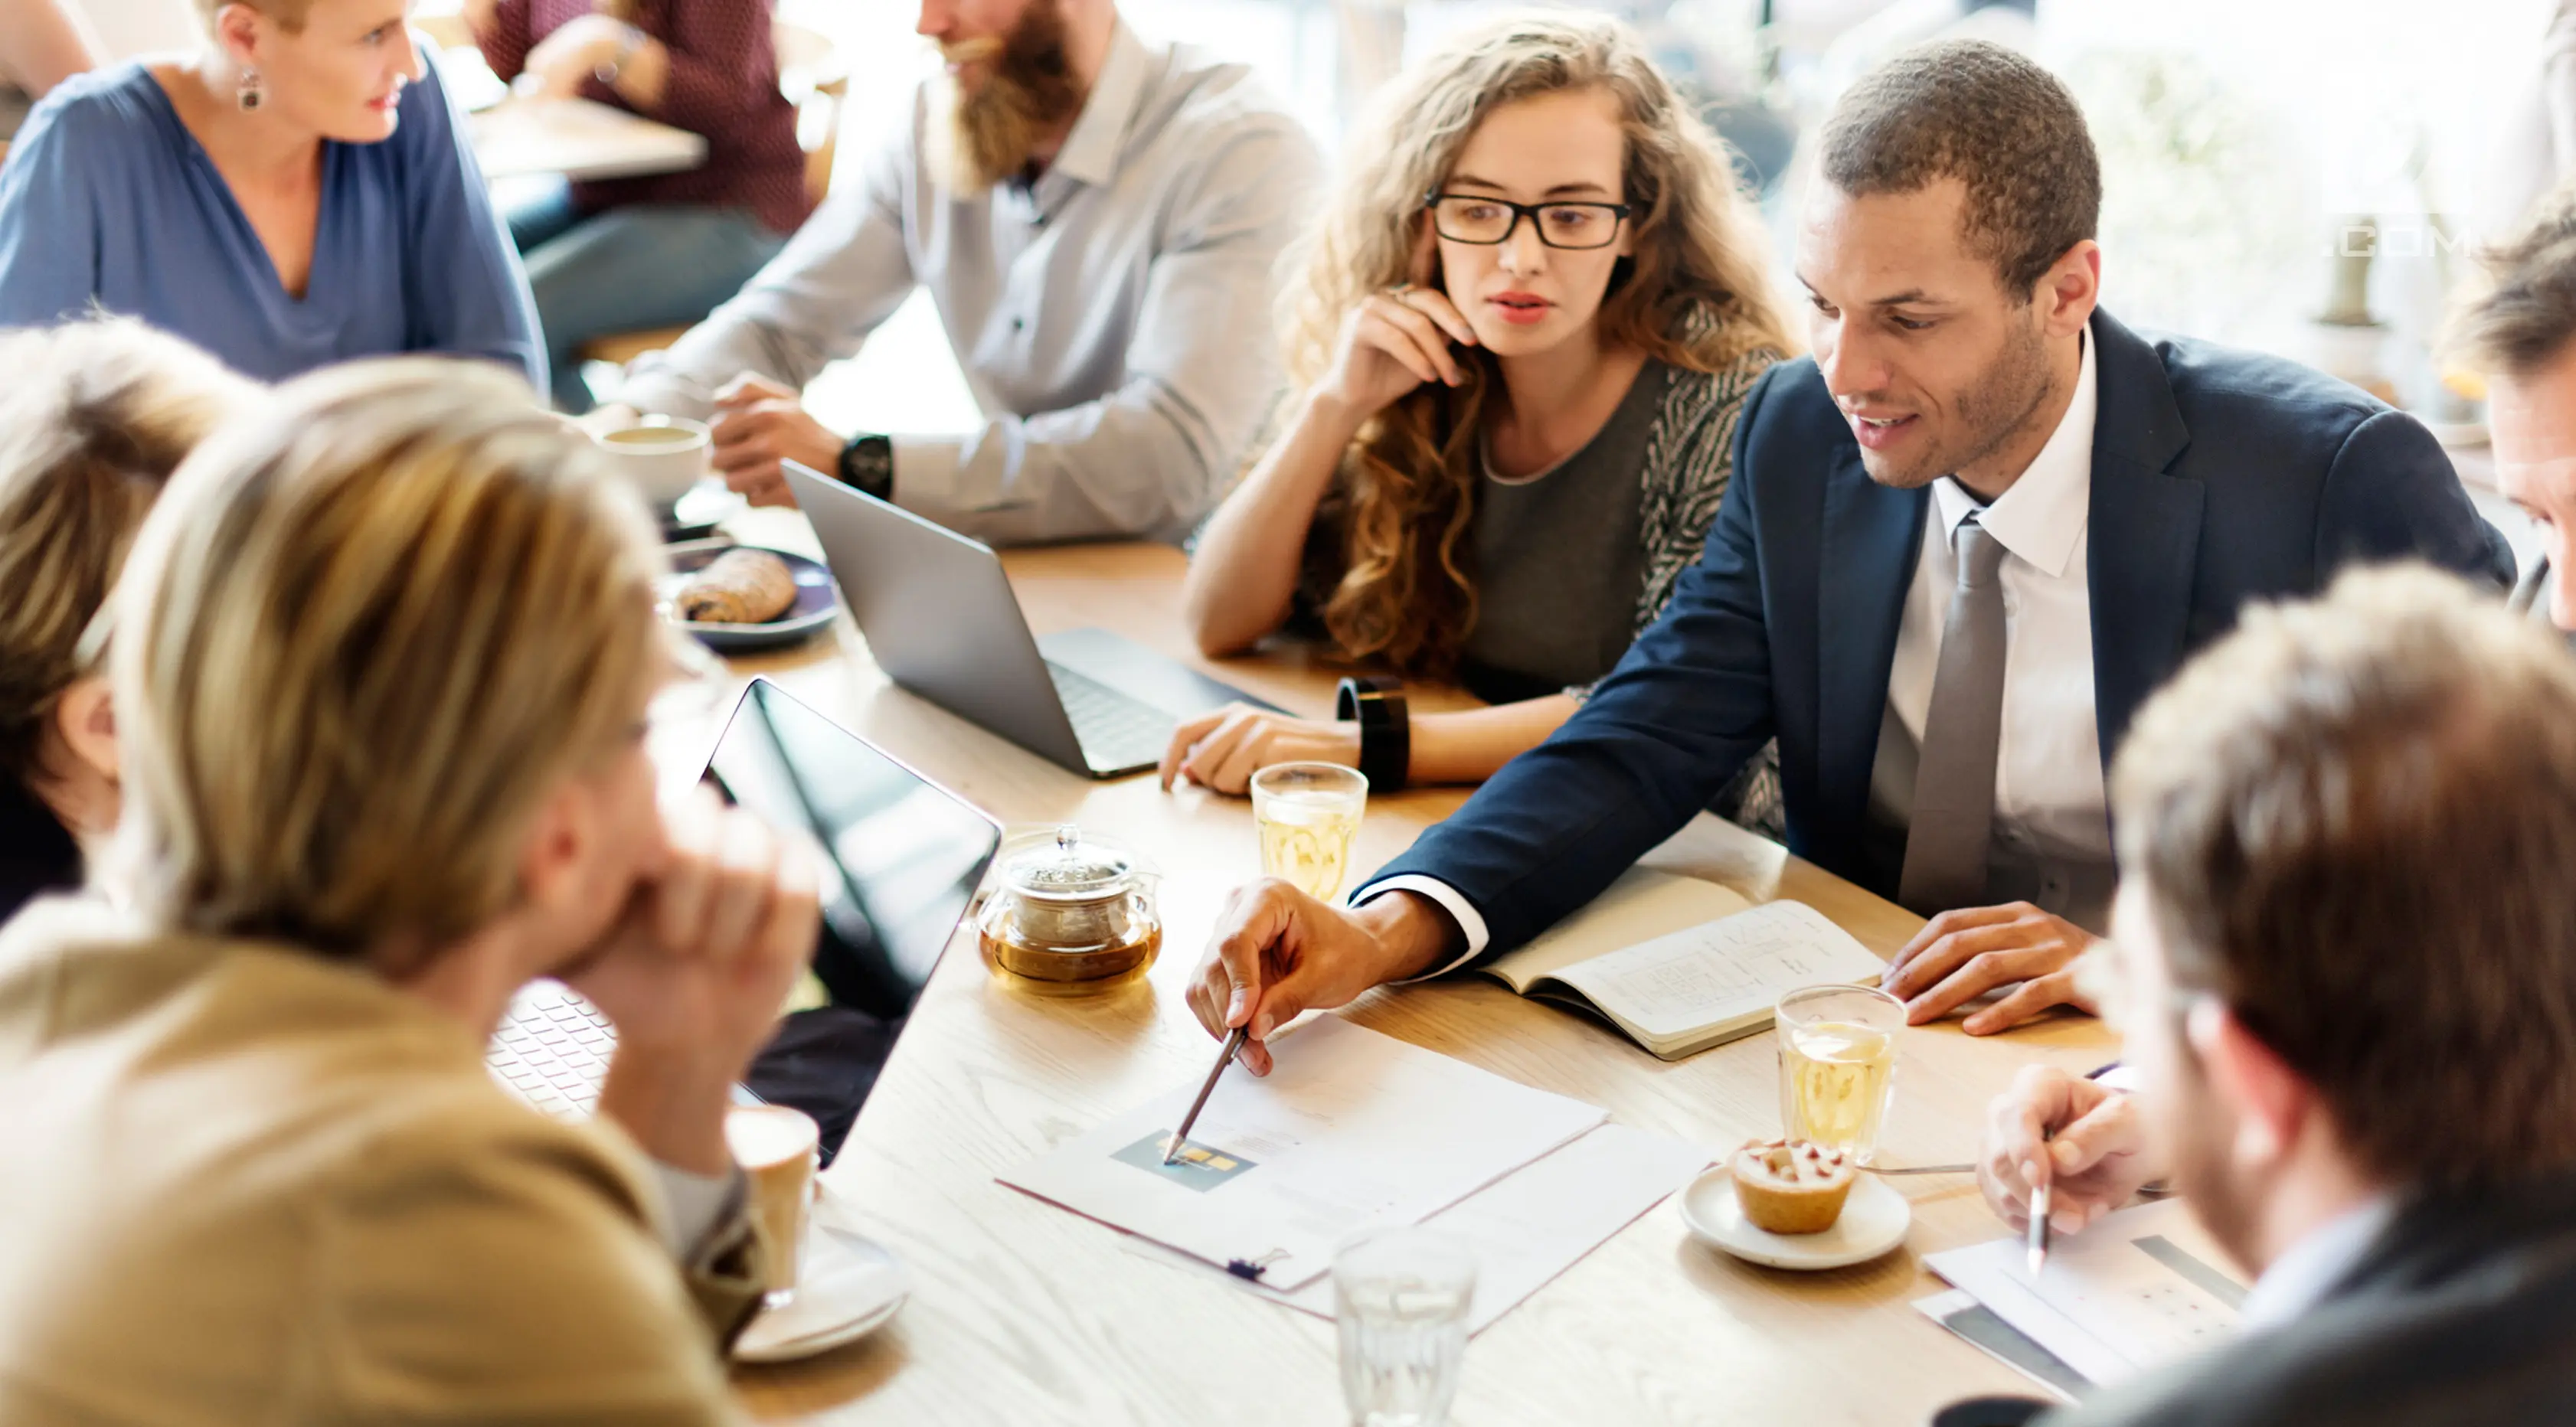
(812, 611)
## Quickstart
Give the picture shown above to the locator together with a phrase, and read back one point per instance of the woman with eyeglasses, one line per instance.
(1521, 336)
(94, 416)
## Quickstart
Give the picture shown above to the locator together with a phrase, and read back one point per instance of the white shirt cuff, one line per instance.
(697, 1203)
(1447, 896)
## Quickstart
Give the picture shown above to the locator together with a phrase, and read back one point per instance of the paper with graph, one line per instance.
(1534, 1223)
(2140, 1288)
(1351, 1130)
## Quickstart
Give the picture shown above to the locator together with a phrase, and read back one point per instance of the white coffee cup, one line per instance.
(663, 456)
(777, 1147)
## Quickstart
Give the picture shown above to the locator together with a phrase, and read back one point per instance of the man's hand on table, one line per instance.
(1961, 955)
(1277, 952)
(760, 423)
(2083, 1139)
(1224, 748)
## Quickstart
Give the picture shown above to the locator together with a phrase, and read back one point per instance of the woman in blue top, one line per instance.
(298, 194)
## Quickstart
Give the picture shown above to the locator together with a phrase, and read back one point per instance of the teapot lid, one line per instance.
(1061, 865)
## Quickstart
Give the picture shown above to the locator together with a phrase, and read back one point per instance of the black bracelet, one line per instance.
(1386, 728)
(867, 466)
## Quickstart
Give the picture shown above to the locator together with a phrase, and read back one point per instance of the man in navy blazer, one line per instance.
(1972, 433)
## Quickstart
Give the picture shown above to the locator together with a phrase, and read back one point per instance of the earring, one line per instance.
(249, 95)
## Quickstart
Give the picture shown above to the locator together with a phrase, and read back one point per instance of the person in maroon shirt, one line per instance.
(618, 255)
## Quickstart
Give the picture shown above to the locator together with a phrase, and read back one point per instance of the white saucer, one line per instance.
(846, 1288)
(1874, 1221)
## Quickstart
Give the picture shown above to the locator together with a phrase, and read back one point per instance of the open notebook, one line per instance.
(1682, 965)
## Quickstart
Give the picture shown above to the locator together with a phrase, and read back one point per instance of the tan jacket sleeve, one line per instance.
(507, 1269)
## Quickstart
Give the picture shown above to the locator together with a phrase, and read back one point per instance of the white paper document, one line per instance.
(2140, 1288)
(1534, 1223)
(1351, 1130)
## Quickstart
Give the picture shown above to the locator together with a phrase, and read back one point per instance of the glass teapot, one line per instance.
(1069, 914)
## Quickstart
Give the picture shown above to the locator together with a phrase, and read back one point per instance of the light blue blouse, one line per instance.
(107, 198)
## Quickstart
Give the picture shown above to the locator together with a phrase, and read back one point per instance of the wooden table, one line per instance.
(1025, 1313)
(577, 138)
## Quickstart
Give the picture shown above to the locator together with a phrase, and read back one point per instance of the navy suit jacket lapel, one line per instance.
(1872, 538)
(2143, 530)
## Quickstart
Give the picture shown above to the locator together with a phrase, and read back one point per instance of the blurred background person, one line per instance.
(1096, 219)
(615, 255)
(42, 43)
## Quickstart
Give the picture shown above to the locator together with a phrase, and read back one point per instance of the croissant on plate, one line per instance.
(741, 586)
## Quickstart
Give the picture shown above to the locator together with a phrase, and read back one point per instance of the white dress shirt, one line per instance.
(2052, 830)
(2300, 1278)
(1112, 319)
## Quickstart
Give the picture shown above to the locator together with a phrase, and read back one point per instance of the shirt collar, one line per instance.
(2302, 1276)
(2044, 513)
(1091, 150)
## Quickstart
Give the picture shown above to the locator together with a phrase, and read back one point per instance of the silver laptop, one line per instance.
(905, 856)
(942, 621)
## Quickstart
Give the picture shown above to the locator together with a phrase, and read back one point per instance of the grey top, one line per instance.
(1558, 559)
(1112, 319)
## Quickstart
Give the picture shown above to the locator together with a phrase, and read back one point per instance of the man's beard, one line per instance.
(994, 128)
(2198, 1137)
(1992, 411)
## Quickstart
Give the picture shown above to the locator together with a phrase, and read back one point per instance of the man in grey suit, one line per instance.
(2343, 959)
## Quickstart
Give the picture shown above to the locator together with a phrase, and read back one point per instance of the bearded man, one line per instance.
(1961, 547)
(1096, 218)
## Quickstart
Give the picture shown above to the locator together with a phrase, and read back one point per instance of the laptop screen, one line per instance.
(903, 854)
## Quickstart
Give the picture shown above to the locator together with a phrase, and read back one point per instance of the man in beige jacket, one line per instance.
(381, 662)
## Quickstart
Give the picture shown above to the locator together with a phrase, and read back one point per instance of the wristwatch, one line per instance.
(1386, 728)
(867, 465)
(627, 44)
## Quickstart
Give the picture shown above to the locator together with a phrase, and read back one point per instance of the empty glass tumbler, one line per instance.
(1400, 1299)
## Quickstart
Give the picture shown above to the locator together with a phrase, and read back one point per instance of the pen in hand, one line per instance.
(2038, 1231)
(1225, 1057)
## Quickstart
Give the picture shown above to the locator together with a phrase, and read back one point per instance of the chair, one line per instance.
(812, 76)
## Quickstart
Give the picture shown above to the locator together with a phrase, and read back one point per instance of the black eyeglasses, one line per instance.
(1475, 218)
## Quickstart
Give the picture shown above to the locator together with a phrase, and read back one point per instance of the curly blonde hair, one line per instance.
(1695, 295)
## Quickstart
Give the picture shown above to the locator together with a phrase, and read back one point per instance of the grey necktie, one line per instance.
(1954, 784)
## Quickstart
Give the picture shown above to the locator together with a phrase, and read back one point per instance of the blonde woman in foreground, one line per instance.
(381, 666)
(1521, 336)
(93, 419)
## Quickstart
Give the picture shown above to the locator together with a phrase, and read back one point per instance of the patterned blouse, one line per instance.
(1689, 460)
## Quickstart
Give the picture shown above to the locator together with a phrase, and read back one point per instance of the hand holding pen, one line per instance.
(2064, 1148)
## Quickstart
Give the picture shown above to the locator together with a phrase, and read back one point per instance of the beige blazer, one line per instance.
(243, 1184)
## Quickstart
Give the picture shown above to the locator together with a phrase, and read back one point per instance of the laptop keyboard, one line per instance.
(552, 1051)
(1116, 731)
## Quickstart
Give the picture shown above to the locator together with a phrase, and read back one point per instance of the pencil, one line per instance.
(1224, 1058)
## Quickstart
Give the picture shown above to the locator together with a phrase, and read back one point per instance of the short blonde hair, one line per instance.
(94, 416)
(364, 636)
